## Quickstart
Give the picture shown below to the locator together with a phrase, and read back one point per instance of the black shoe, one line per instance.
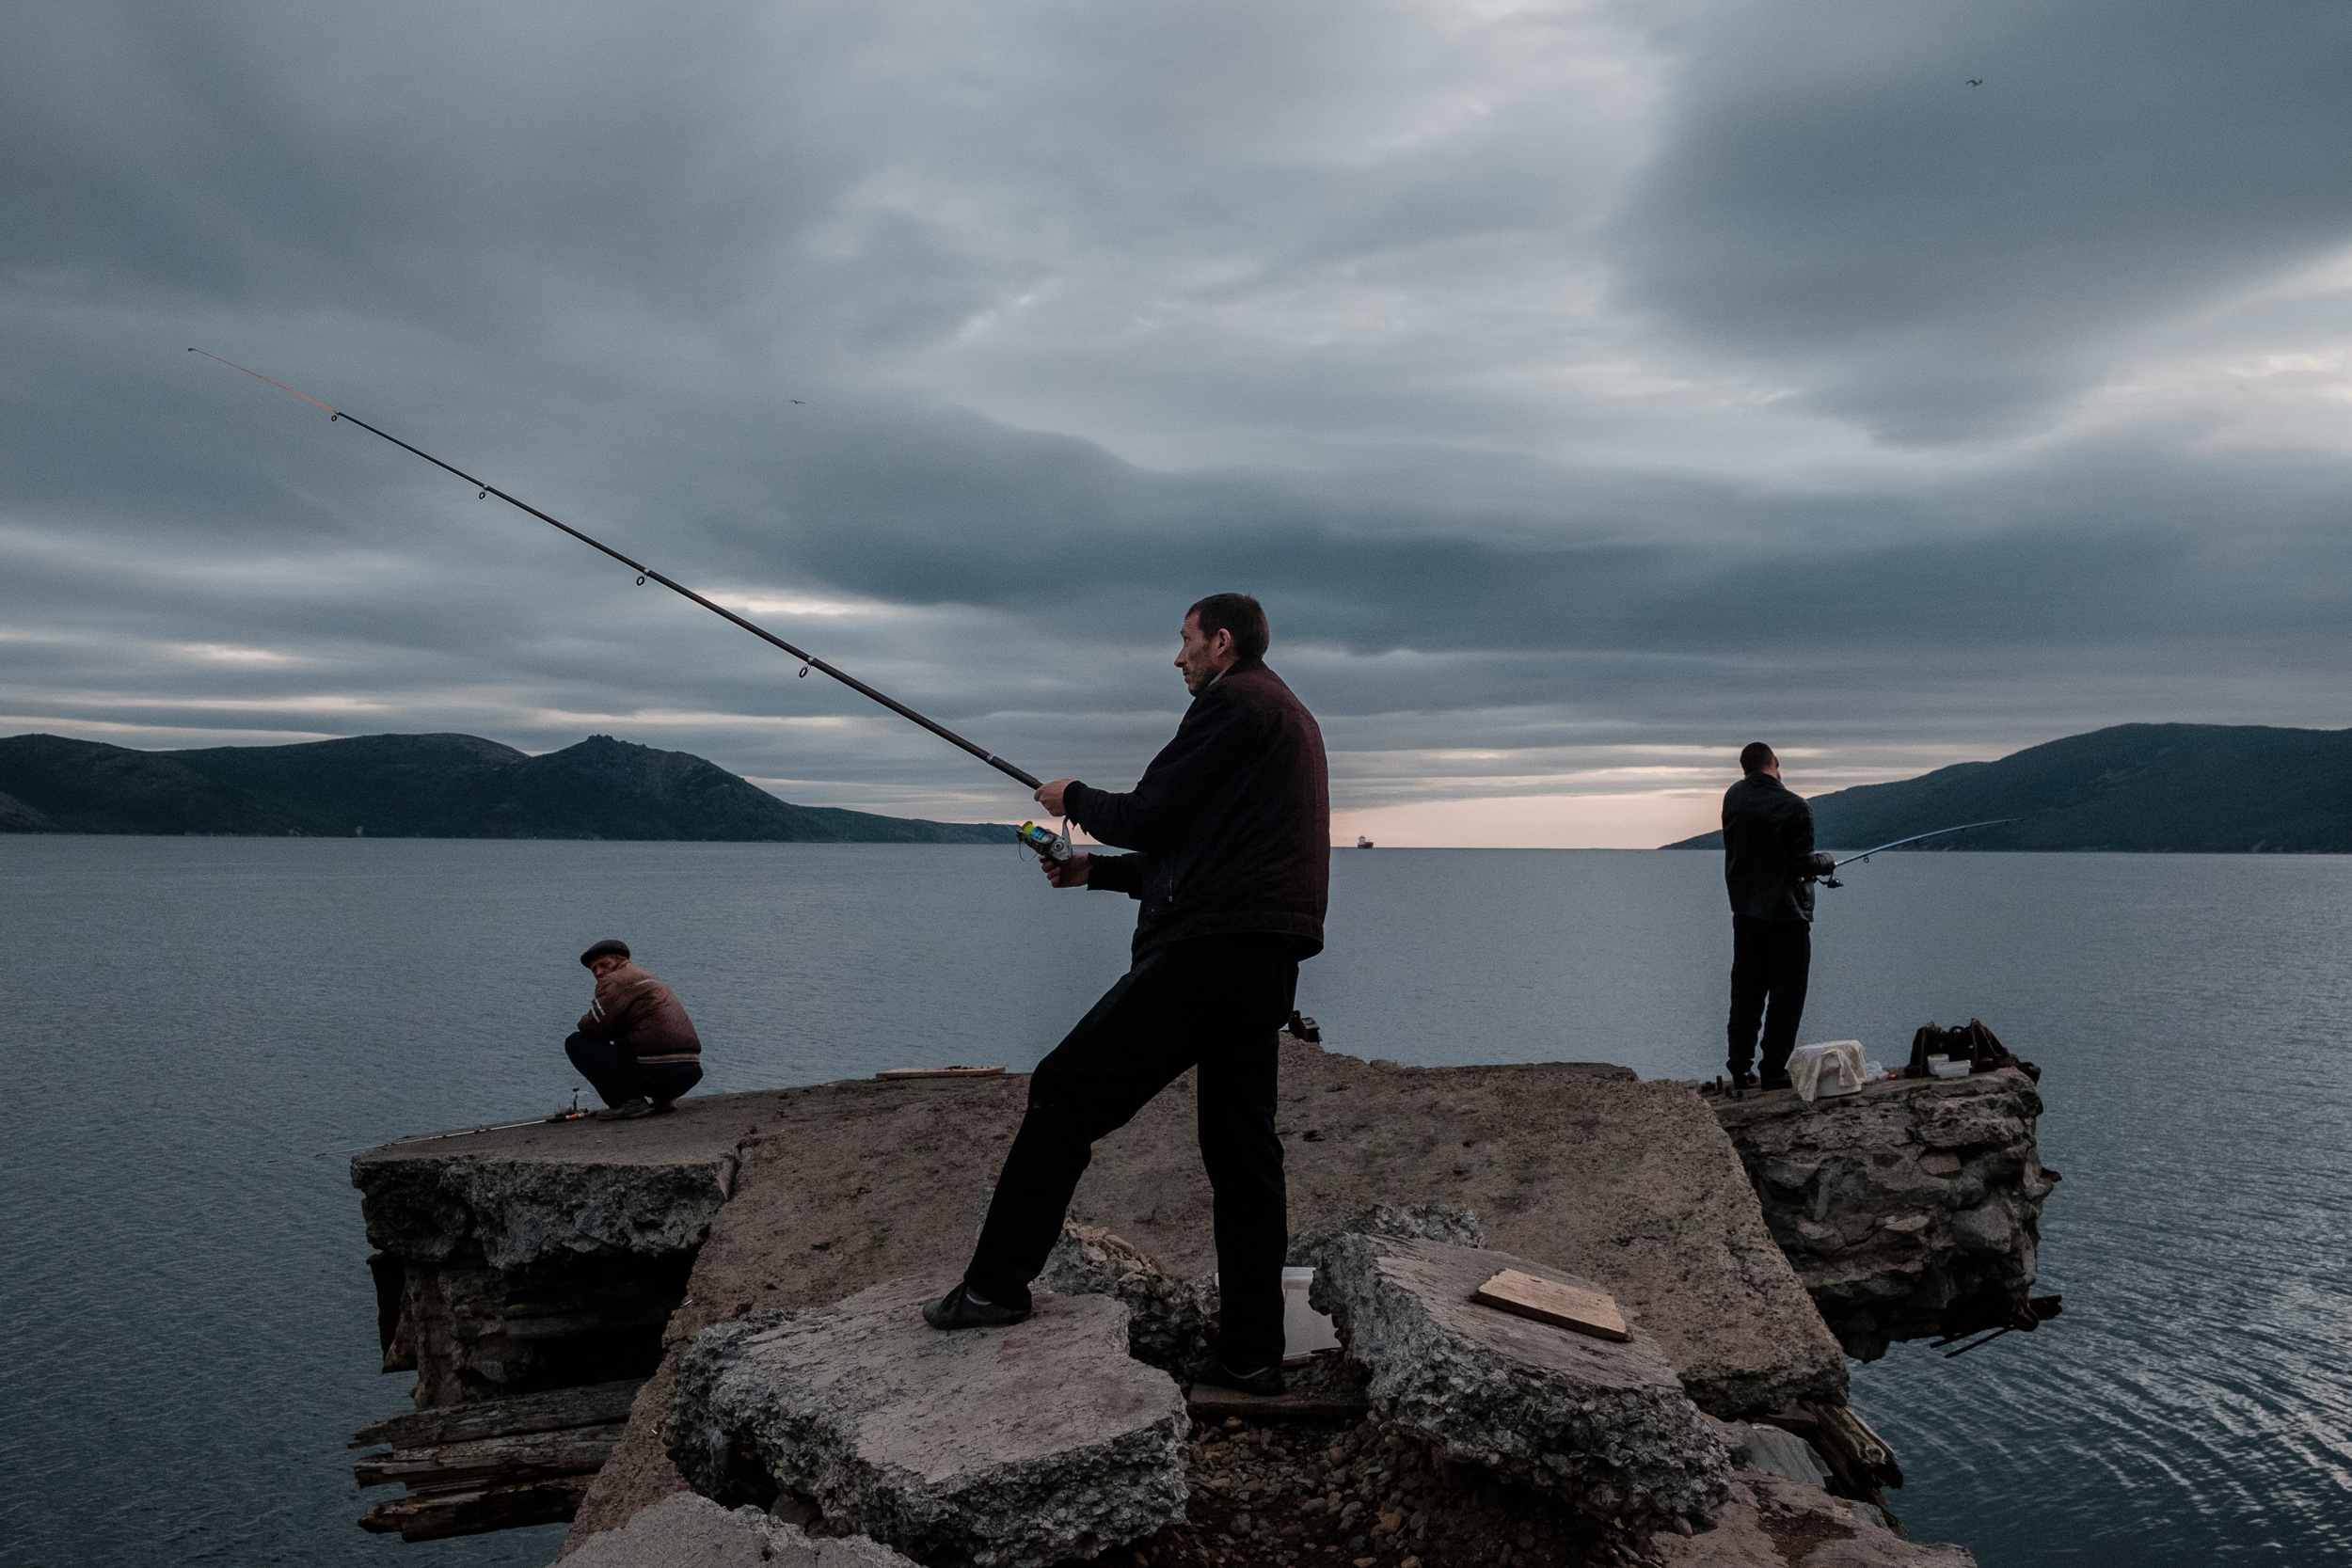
(1266, 1380)
(1740, 1083)
(957, 1310)
(1778, 1081)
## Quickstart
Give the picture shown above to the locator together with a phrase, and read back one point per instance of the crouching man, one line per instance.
(635, 1045)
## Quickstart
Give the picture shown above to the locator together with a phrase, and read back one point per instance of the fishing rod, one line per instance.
(1827, 880)
(573, 1113)
(808, 662)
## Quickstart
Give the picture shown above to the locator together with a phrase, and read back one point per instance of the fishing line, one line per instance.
(644, 573)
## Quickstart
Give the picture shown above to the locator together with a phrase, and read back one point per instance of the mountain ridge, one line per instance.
(2142, 788)
(440, 786)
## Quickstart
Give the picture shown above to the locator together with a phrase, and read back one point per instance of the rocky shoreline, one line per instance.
(745, 1258)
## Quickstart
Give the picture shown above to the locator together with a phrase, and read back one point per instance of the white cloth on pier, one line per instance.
(1831, 1068)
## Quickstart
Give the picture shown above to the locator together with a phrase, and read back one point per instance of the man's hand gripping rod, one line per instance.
(808, 662)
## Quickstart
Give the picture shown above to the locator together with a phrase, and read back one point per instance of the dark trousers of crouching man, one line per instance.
(1216, 1003)
(1232, 831)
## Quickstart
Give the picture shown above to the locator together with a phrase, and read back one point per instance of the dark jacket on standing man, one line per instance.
(638, 1013)
(1231, 823)
(1768, 850)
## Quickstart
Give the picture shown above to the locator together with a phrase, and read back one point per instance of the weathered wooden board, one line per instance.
(519, 1457)
(1549, 1301)
(438, 1515)
(898, 1072)
(1211, 1403)
(592, 1405)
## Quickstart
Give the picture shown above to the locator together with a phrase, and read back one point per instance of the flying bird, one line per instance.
(1976, 81)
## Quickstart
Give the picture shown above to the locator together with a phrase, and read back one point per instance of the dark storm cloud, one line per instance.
(1941, 259)
(973, 347)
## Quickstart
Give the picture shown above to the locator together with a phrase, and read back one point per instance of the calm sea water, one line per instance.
(202, 1031)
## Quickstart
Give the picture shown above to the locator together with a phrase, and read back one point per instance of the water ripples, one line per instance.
(186, 1328)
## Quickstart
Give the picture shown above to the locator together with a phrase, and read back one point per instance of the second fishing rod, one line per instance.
(647, 574)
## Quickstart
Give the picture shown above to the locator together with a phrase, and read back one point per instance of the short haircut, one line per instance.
(1754, 755)
(1239, 614)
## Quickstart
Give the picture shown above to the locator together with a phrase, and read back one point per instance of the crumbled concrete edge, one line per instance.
(1621, 1452)
(518, 1213)
(1436, 1222)
(1167, 1319)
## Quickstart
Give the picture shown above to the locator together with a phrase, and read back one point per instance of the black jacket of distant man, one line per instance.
(1768, 849)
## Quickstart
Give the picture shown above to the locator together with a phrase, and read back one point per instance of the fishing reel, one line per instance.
(1048, 844)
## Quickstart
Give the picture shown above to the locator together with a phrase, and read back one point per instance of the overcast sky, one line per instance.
(1586, 390)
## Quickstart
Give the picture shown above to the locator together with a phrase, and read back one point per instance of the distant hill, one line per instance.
(2189, 789)
(421, 787)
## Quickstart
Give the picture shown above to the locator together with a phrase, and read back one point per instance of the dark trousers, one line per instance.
(1769, 959)
(619, 1077)
(1214, 1003)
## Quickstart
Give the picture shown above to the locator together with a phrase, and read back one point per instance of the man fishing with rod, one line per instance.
(1231, 830)
(1770, 870)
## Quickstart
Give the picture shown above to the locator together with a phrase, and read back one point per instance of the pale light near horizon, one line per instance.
(1642, 820)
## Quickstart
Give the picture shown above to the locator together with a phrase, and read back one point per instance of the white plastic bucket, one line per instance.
(1305, 1330)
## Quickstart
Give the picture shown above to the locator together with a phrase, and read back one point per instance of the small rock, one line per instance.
(1984, 1229)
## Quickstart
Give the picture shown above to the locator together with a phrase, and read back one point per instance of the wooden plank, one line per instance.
(1549, 1301)
(438, 1515)
(1842, 1434)
(1210, 1402)
(526, 1456)
(898, 1073)
(591, 1405)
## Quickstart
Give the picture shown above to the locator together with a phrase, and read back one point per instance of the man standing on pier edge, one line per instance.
(1232, 829)
(1769, 866)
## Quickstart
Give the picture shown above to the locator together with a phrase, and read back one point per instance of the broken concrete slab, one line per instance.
(539, 1256)
(1605, 1422)
(1770, 1522)
(1167, 1319)
(521, 1194)
(686, 1530)
(1016, 1446)
(1632, 1185)
(1911, 1209)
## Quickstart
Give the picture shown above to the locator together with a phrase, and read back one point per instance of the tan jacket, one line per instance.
(639, 1014)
